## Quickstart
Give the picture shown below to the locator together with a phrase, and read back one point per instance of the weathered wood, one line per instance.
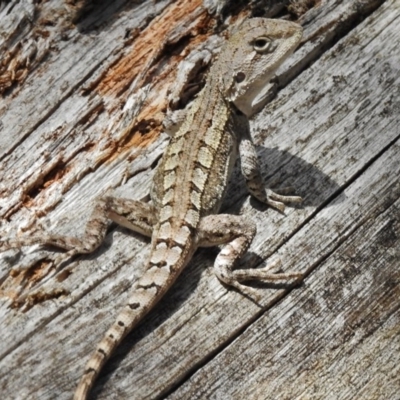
(332, 132)
(337, 336)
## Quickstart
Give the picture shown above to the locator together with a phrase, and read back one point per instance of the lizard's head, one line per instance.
(251, 57)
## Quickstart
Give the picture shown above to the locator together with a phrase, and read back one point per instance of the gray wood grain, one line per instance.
(332, 132)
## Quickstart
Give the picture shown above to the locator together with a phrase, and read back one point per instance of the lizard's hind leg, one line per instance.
(133, 214)
(236, 233)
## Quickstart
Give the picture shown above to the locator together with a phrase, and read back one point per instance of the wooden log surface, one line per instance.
(80, 115)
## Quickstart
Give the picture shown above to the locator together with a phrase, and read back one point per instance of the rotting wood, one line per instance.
(322, 133)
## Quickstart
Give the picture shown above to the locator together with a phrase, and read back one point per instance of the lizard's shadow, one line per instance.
(309, 182)
(280, 169)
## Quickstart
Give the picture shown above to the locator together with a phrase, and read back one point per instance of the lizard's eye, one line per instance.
(264, 44)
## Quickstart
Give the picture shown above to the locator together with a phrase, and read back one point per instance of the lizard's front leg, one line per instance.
(133, 214)
(251, 171)
(237, 233)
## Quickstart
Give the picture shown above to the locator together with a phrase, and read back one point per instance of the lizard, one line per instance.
(190, 182)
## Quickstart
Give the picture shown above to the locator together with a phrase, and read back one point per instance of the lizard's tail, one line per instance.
(166, 263)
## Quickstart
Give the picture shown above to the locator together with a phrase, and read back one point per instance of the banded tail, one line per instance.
(167, 259)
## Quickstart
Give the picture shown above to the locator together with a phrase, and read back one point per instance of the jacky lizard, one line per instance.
(190, 183)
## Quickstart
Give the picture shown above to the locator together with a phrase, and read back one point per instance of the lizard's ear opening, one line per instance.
(240, 77)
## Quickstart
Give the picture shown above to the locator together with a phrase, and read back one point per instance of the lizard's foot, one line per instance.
(267, 274)
(276, 198)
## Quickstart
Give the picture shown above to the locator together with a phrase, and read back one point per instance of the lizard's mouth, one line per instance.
(262, 97)
(254, 100)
